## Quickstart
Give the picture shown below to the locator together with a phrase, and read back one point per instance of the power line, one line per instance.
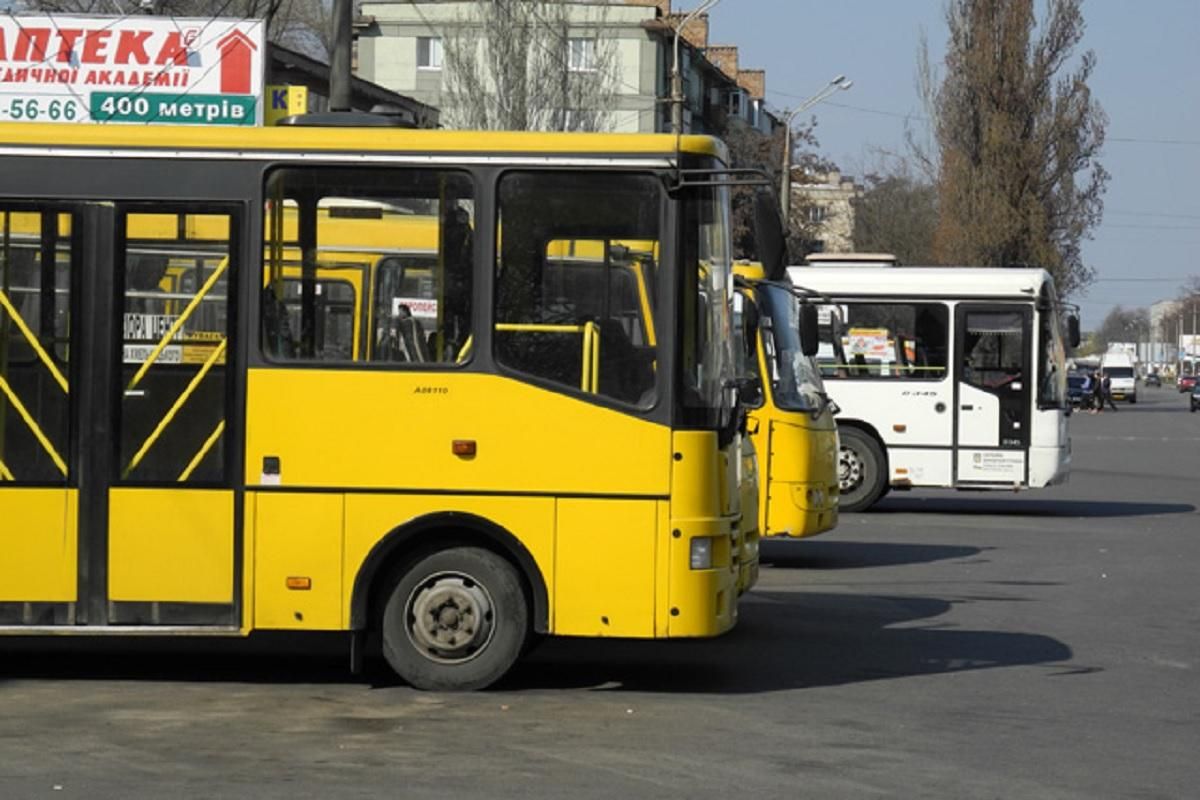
(921, 118)
(1149, 227)
(1150, 214)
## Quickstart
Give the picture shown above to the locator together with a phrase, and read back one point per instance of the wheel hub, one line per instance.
(450, 617)
(850, 470)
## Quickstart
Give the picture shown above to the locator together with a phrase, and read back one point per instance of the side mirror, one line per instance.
(809, 331)
(1073, 337)
(770, 239)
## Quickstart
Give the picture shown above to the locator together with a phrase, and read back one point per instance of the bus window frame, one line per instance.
(843, 328)
(660, 295)
(480, 182)
(234, 362)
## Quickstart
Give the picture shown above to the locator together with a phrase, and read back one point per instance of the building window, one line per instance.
(734, 103)
(581, 55)
(817, 214)
(429, 52)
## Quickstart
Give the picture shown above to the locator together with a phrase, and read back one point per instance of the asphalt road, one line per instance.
(1038, 645)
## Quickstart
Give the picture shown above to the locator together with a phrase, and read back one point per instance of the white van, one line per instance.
(1120, 368)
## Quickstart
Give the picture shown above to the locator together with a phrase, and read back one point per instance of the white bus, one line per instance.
(946, 377)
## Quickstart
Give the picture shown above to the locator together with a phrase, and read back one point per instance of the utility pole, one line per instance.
(785, 188)
(676, 76)
(339, 60)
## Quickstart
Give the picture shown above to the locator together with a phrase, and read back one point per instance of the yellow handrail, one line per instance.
(174, 409)
(595, 357)
(42, 355)
(465, 350)
(204, 448)
(5, 473)
(586, 367)
(33, 426)
(178, 323)
(589, 373)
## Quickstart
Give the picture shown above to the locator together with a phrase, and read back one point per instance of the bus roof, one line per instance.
(932, 282)
(25, 137)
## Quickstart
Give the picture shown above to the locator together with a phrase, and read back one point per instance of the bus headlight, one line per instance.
(701, 553)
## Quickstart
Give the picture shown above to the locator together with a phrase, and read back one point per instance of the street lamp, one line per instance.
(676, 78)
(840, 83)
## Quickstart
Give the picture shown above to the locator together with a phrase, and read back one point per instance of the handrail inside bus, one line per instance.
(5, 473)
(589, 379)
(212, 359)
(34, 428)
(42, 355)
(202, 452)
(178, 323)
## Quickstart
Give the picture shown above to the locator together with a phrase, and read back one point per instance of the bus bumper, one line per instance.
(1049, 466)
(703, 602)
(798, 509)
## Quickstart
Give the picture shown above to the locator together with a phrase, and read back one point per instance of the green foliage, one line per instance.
(897, 214)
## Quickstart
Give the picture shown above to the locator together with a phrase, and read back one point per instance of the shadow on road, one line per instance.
(784, 640)
(789, 640)
(1026, 507)
(831, 554)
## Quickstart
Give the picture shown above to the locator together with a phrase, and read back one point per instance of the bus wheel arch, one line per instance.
(862, 466)
(419, 538)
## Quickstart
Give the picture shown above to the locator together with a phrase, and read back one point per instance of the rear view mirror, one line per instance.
(1073, 337)
(809, 330)
(770, 239)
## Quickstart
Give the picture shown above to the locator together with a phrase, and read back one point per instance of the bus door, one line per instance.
(993, 378)
(38, 503)
(170, 534)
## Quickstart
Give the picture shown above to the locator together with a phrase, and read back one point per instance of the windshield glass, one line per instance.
(795, 378)
(1119, 372)
(709, 369)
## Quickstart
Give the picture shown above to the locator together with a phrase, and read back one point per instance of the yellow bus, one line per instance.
(791, 422)
(216, 418)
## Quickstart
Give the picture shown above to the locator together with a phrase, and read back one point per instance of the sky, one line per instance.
(1147, 79)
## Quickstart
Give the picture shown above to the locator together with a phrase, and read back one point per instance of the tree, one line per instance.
(1017, 138)
(750, 148)
(897, 213)
(303, 25)
(1121, 325)
(519, 65)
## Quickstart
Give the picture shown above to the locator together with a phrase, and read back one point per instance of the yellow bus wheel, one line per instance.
(456, 619)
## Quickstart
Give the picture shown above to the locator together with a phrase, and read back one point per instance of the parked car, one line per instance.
(1186, 383)
(1195, 399)
(1153, 379)
(1075, 391)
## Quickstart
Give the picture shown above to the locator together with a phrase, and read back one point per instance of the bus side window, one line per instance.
(368, 265)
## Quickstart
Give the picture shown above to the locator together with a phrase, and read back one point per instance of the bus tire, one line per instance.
(455, 620)
(862, 470)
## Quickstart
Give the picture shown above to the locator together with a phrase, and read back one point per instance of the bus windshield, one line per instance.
(709, 369)
(795, 379)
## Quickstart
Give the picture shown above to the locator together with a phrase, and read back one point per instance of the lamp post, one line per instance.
(840, 83)
(676, 78)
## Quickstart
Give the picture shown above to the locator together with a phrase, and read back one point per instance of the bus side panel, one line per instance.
(170, 545)
(604, 566)
(40, 545)
(396, 430)
(921, 467)
(297, 538)
(371, 517)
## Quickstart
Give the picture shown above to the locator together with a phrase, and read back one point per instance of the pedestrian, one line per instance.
(1086, 390)
(1106, 392)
